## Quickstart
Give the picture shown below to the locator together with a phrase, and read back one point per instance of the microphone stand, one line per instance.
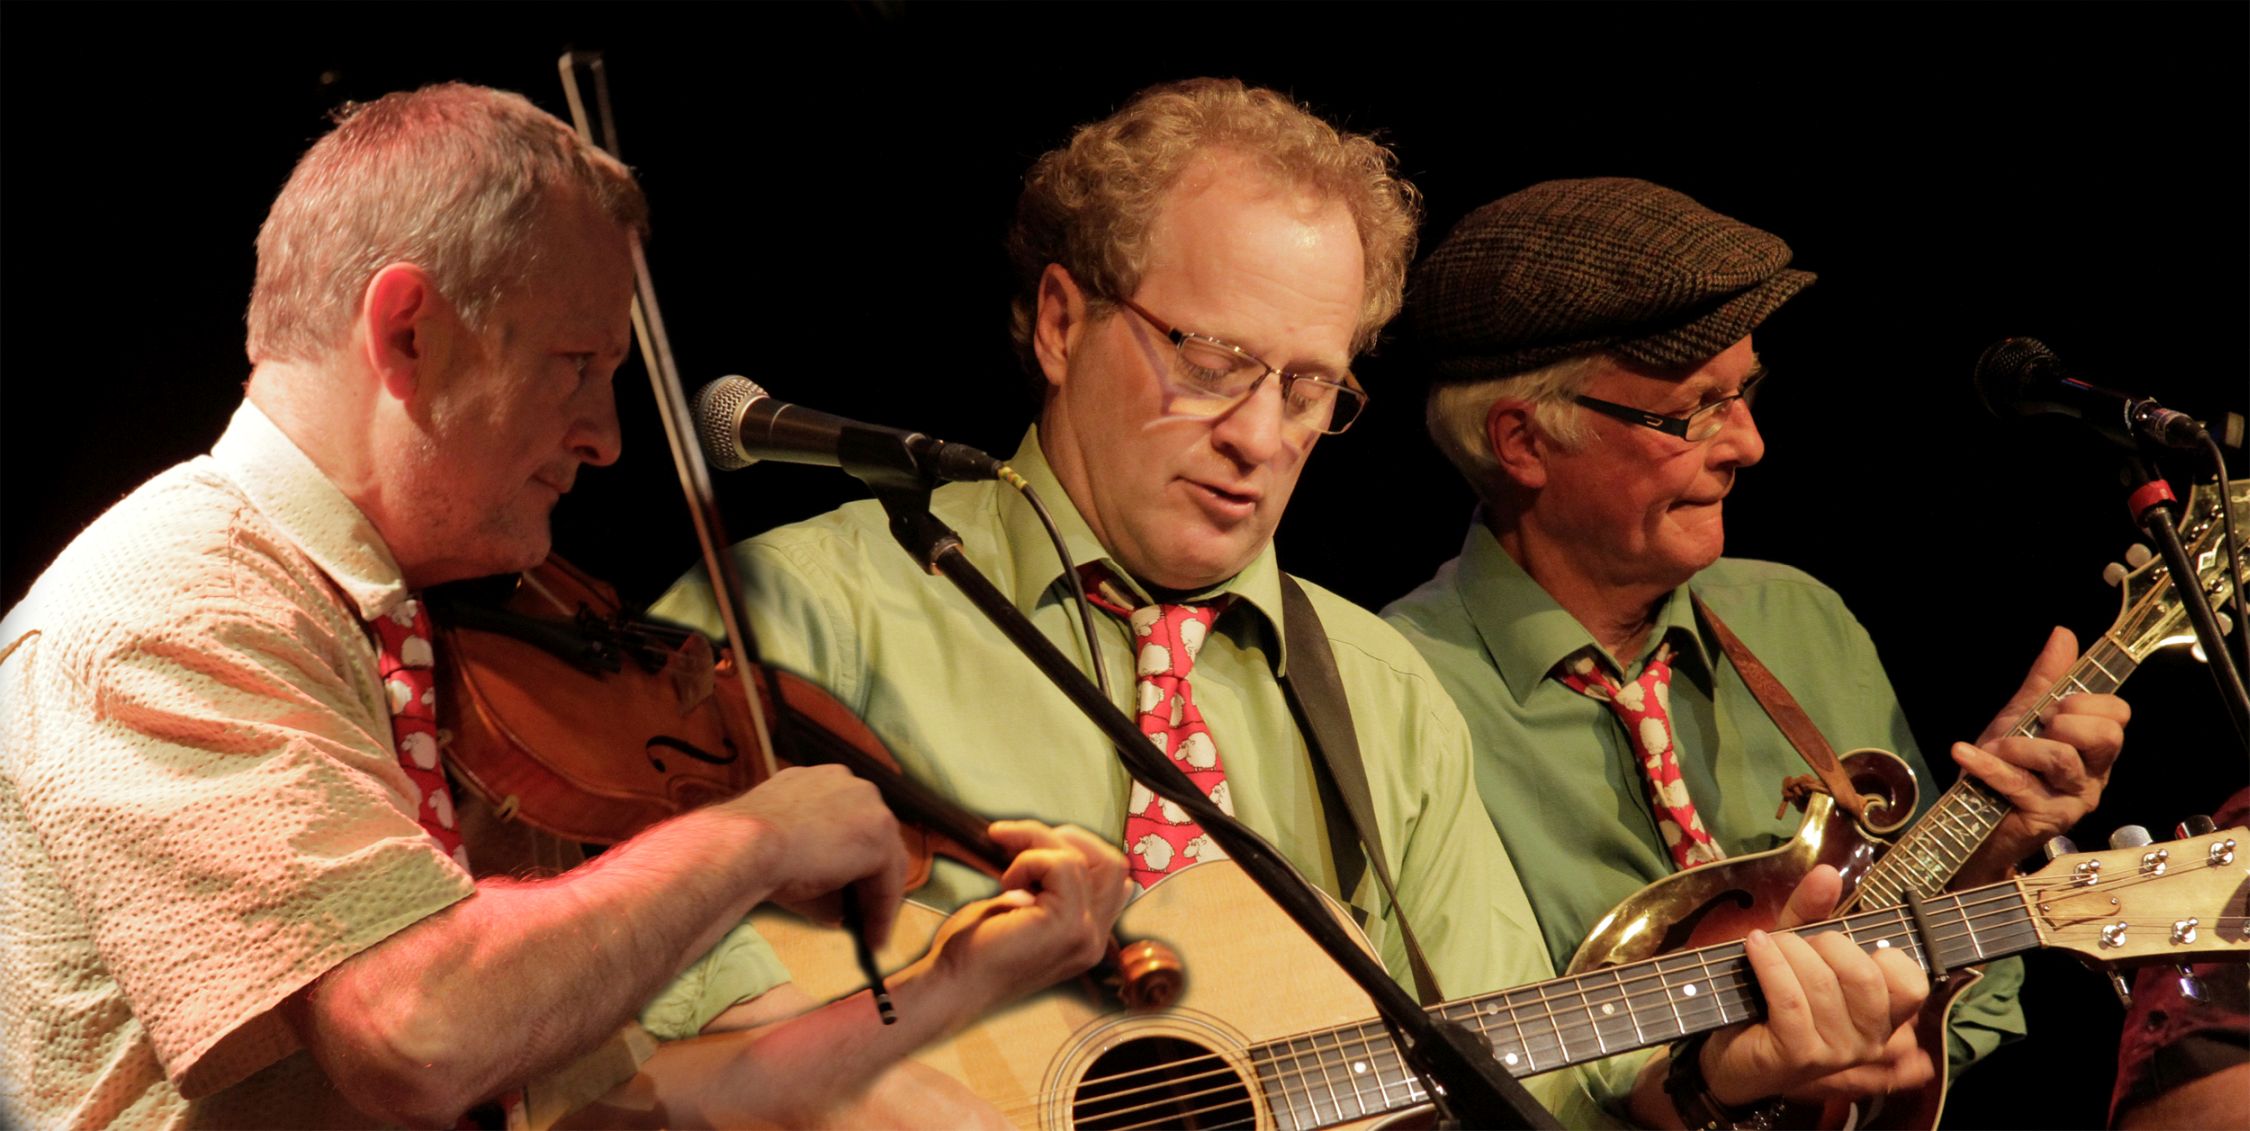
(1469, 1086)
(2152, 503)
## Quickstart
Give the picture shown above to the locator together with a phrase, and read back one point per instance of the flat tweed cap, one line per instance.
(1613, 264)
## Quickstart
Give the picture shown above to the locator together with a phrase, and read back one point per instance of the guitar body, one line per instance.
(1727, 900)
(1252, 977)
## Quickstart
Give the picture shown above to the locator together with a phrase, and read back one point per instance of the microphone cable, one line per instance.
(1008, 475)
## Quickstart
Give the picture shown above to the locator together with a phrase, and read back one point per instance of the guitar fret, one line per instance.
(1974, 945)
(1376, 1068)
(1327, 1082)
(1355, 1072)
(1296, 1094)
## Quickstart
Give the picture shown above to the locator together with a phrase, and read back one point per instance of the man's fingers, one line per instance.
(2052, 663)
(1813, 900)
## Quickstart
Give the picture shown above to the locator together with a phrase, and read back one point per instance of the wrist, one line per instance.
(1698, 1108)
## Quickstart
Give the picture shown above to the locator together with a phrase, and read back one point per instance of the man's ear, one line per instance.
(1517, 443)
(1061, 318)
(400, 326)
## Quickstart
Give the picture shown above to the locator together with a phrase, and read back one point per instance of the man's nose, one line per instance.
(1255, 431)
(596, 438)
(1738, 444)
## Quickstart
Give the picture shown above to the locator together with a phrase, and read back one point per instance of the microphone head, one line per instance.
(718, 420)
(2007, 372)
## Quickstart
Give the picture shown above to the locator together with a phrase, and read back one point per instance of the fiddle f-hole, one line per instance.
(1161, 1081)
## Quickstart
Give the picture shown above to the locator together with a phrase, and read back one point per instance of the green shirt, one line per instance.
(1562, 783)
(837, 600)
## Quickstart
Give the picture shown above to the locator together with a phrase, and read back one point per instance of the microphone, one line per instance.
(2022, 377)
(739, 424)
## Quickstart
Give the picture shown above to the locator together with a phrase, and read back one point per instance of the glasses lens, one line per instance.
(1322, 406)
(1211, 376)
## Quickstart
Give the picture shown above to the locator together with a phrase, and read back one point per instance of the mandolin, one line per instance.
(1880, 863)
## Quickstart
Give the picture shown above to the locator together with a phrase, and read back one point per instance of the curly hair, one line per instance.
(451, 177)
(1089, 204)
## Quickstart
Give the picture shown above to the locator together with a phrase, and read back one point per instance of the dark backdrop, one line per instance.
(831, 184)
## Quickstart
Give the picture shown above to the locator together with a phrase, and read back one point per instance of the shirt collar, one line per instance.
(284, 484)
(1527, 633)
(1257, 588)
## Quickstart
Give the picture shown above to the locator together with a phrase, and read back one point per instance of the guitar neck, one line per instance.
(1355, 1071)
(1928, 855)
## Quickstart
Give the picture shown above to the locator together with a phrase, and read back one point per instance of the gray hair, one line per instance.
(452, 178)
(1457, 411)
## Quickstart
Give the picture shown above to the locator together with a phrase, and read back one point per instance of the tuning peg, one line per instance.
(2198, 825)
(2190, 986)
(2137, 555)
(2226, 623)
(2129, 836)
(2113, 574)
(2058, 847)
(2124, 988)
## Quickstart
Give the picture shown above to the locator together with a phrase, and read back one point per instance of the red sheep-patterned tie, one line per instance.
(1160, 838)
(1645, 707)
(406, 663)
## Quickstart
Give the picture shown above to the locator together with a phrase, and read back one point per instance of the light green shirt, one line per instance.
(1564, 786)
(837, 600)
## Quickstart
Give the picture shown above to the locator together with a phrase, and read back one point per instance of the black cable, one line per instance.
(1070, 573)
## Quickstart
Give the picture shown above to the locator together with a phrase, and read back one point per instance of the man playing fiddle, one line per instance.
(1592, 373)
(1197, 274)
(240, 888)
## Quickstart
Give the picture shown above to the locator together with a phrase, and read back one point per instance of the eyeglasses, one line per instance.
(1214, 376)
(1695, 427)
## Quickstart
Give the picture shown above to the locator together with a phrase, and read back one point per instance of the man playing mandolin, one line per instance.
(1589, 345)
(239, 889)
(1196, 275)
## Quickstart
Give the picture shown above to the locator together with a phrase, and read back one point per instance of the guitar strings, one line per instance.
(1729, 984)
(1881, 876)
(1285, 1077)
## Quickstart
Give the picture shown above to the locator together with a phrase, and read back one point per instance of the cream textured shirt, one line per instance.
(200, 810)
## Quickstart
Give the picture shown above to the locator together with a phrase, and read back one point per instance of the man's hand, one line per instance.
(2053, 780)
(1051, 921)
(828, 828)
(1839, 1021)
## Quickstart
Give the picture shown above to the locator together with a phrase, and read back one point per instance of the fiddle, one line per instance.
(577, 716)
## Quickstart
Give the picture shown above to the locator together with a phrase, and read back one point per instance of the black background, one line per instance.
(831, 184)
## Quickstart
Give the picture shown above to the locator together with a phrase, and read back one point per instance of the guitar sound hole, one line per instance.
(1160, 1082)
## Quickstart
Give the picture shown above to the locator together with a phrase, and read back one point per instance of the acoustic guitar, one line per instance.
(1269, 1034)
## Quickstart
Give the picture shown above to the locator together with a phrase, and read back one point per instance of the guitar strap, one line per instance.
(1782, 708)
(1316, 697)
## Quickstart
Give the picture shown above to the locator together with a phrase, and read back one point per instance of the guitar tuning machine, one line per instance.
(2113, 574)
(2198, 825)
(2130, 836)
(2191, 987)
(2137, 555)
(2123, 988)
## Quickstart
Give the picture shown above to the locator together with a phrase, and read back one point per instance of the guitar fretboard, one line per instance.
(1355, 1071)
(1932, 852)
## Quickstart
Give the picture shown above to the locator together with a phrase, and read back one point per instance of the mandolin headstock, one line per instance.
(2151, 616)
